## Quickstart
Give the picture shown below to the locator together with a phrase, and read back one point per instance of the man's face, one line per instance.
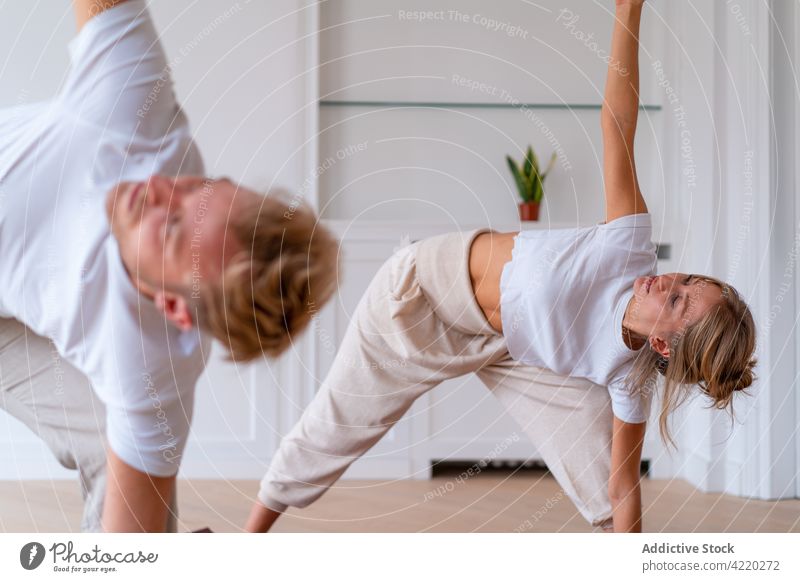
(173, 232)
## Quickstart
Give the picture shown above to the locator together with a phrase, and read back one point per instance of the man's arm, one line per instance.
(620, 112)
(85, 10)
(623, 485)
(135, 501)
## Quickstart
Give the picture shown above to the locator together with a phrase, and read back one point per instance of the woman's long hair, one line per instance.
(715, 353)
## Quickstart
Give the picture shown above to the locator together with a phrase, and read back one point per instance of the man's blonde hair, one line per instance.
(269, 293)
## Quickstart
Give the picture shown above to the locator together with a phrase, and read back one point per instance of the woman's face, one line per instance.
(664, 305)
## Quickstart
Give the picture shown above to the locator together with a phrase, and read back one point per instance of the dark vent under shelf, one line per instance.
(497, 467)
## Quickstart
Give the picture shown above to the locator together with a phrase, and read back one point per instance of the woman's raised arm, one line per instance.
(85, 10)
(619, 114)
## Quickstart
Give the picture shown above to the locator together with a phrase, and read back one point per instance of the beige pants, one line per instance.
(417, 325)
(57, 402)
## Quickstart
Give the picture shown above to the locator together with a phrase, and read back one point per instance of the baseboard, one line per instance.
(707, 475)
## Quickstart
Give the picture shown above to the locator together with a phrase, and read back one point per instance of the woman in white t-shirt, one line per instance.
(546, 319)
(597, 308)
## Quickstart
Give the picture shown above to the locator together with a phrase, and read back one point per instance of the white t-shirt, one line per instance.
(60, 269)
(563, 296)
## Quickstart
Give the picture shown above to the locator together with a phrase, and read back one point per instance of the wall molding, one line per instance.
(735, 58)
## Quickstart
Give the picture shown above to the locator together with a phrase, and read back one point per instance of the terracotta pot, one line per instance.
(529, 210)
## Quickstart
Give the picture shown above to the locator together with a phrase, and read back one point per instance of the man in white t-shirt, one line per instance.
(119, 262)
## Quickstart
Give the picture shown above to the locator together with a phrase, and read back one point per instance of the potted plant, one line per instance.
(530, 183)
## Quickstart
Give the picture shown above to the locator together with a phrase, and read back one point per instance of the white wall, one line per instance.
(446, 164)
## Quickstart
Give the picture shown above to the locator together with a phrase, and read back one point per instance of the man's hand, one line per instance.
(261, 519)
(85, 10)
(135, 501)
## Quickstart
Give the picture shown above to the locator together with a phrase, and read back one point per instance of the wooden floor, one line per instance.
(531, 503)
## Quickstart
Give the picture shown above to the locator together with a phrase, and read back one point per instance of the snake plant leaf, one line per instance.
(528, 163)
(550, 165)
(535, 162)
(522, 186)
(538, 190)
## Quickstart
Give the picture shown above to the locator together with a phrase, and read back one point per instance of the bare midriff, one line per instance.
(488, 255)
